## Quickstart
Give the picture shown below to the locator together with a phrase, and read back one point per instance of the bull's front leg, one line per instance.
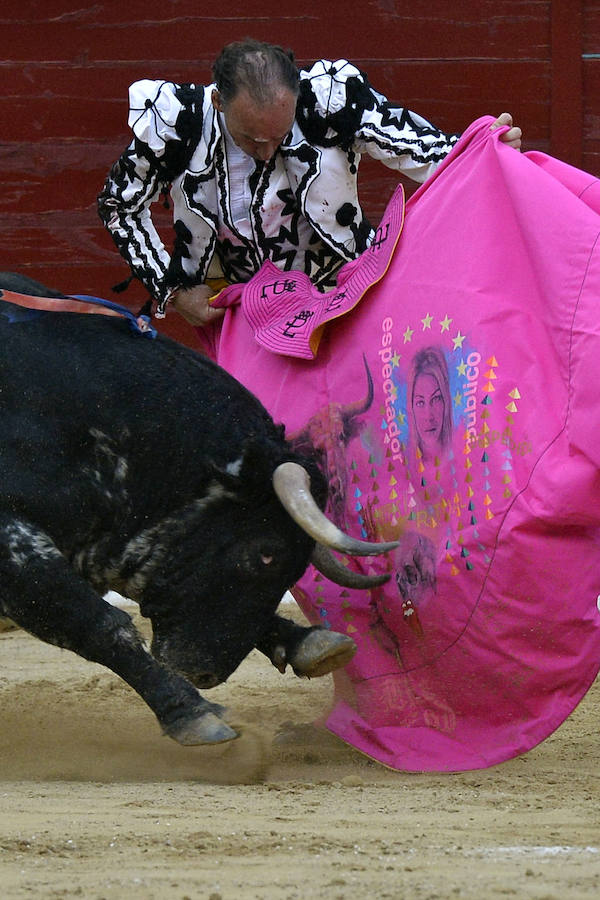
(41, 593)
(311, 651)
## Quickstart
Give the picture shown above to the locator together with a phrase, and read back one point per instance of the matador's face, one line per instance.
(258, 130)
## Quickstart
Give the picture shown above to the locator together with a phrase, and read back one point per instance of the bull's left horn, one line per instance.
(328, 565)
(291, 483)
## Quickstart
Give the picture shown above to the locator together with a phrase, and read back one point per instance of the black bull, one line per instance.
(140, 466)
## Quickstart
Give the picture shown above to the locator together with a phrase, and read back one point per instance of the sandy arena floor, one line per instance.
(94, 803)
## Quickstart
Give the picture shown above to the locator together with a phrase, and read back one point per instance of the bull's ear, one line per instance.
(251, 471)
(256, 465)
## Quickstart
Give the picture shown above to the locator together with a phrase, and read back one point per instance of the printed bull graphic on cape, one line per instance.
(326, 436)
(477, 319)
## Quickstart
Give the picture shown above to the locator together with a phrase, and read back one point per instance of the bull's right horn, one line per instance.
(291, 483)
(327, 564)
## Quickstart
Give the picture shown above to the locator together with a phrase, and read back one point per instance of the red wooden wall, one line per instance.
(66, 69)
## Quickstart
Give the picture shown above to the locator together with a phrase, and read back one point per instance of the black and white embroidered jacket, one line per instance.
(305, 213)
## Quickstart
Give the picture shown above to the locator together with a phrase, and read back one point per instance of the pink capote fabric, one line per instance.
(488, 633)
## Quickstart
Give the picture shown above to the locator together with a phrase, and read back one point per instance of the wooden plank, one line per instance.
(53, 175)
(591, 86)
(591, 159)
(566, 104)
(140, 30)
(591, 27)
(591, 95)
(84, 103)
(591, 118)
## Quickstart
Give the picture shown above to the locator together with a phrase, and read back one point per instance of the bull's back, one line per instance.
(96, 366)
(64, 376)
(100, 424)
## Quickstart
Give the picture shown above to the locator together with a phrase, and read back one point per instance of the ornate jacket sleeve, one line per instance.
(339, 107)
(157, 117)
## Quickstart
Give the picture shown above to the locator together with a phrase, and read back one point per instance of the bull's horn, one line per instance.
(291, 483)
(328, 565)
(350, 410)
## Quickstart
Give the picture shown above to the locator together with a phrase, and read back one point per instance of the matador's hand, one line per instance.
(512, 137)
(193, 304)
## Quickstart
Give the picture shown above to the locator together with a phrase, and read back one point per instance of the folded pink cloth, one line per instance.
(455, 408)
(287, 313)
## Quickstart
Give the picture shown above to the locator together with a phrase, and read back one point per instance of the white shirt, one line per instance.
(239, 166)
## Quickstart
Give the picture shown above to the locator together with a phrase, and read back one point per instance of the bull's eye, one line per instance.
(262, 561)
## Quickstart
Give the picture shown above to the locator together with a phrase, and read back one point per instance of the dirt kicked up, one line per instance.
(95, 803)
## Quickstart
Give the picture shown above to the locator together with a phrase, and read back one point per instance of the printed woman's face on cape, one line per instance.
(428, 411)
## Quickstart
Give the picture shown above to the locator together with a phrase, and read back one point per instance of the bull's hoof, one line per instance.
(321, 652)
(223, 712)
(207, 729)
(7, 624)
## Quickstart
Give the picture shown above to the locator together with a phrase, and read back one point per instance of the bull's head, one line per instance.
(216, 589)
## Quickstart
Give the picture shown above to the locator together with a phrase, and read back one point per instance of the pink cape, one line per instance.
(479, 449)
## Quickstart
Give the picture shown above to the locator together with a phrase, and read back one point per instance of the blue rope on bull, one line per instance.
(139, 324)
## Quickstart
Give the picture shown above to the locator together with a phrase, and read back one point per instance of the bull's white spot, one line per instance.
(598, 602)
(90, 562)
(130, 637)
(215, 491)
(24, 542)
(234, 468)
(118, 600)
(112, 468)
(145, 551)
(121, 468)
